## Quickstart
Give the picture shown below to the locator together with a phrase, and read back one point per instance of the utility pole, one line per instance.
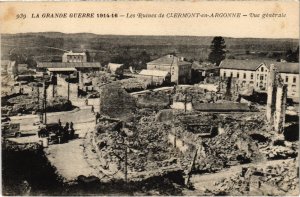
(185, 100)
(69, 87)
(126, 159)
(40, 113)
(45, 103)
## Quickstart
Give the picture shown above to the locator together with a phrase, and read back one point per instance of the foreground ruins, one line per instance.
(194, 132)
(172, 139)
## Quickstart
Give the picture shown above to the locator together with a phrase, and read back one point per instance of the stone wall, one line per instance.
(276, 101)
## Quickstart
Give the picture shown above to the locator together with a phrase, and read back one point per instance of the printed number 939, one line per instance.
(21, 16)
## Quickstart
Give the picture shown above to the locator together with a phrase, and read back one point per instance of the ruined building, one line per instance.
(276, 102)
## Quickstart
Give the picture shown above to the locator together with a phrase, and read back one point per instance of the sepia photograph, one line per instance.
(150, 98)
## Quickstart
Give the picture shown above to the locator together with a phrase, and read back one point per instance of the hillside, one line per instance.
(104, 48)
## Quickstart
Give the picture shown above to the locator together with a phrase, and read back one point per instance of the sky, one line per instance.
(245, 26)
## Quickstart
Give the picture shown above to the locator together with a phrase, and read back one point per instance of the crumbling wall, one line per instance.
(279, 115)
(276, 101)
(115, 102)
(271, 91)
(154, 100)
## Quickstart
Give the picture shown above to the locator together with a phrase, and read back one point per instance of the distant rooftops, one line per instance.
(282, 67)
(169, 60)
(68, 65)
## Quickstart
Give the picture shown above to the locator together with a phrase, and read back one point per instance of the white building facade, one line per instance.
(254, 73)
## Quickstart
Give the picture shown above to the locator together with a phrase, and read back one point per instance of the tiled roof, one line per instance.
(244, 64)
(156, 73)
(169, 60)
(221, 107)
(68, 65)
(287, 67)
(282, 67)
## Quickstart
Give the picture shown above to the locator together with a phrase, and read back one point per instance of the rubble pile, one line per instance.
(135, 84)
(147, 144)
(280, 151)
(99, 78)
(154, 100)
(232, 143)
(195, 94)
(278, 179)
(28, 104)
(116, 102)
(13, 146)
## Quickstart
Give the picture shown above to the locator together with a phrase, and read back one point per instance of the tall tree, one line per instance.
(292, 56)
(297, 54)
(218, 52)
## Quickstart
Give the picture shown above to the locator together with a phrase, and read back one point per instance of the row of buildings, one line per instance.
(251, 73)
(173, 69)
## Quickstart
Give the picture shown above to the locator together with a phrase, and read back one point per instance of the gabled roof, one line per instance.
(169, 60)
(156, 73)
(68, 65)
(282, 67)
(244, 64)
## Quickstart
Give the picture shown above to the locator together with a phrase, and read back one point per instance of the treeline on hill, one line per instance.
(137, 50)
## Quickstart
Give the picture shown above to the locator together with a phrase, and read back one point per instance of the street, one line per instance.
(68, 158)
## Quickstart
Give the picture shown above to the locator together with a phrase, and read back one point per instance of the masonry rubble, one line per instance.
(278, 179)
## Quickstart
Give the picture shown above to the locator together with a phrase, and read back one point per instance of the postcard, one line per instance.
(149, 98)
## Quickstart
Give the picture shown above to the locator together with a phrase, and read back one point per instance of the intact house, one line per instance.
(74, 57)
(254, 73)
(179, 69)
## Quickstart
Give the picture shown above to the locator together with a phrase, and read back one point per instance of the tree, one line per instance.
(141, 60)
(292, 56)
(289, 55)
(218, 52)
(297, 54)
